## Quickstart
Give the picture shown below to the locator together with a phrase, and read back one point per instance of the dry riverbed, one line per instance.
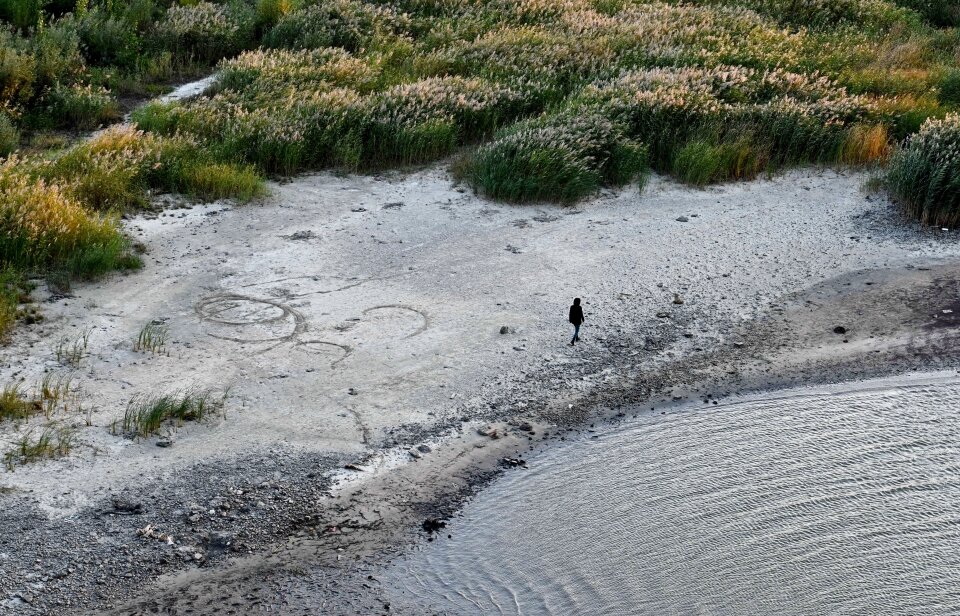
(405, 328)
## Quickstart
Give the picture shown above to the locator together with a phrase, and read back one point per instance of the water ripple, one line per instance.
(826, 503)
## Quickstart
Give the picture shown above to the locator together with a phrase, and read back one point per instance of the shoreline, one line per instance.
(316, 563)
(243, 514)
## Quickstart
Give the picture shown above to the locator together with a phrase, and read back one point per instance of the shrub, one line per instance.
(108, 40)
(206, 32)
(9, 136)
(17, 74)
(41, 224)
(349, 24)
(269, 12)
(924, 175)
(56, 49)
(80, 107)
(938, 12)
(23, 14)
(948, 89)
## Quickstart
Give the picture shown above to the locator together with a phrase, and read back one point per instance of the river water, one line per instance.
(811, 502)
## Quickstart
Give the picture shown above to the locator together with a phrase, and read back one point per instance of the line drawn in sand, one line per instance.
(318, 347)
(252, 320)
(265, 320)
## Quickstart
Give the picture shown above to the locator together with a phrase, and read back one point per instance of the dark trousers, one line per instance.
(576, 332)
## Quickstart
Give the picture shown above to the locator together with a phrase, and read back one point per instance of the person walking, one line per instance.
(576, 317)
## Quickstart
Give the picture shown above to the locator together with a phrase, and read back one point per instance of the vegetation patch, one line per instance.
(146, 414)
(152, 339)
(53, 441)
(707, 92)
(924, 174)
(50, 394)
(71, 351)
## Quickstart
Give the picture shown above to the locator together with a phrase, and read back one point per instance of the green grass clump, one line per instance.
(213, 181)
(145, 415)
(949, 88)
(51, 393)
(152, 339)
(924, 175)
(52, 442)
(15, 405)
(557, 158)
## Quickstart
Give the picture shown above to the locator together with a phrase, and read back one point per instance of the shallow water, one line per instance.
(811, 503)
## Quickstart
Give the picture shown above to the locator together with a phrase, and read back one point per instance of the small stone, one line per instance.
(424, 449)
(504, 330)
(677, 300)
(683, 219)
(839, 329)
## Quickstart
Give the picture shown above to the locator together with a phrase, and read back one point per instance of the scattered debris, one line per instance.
(150, 532)
(300, 235)
(395, 205)
(514, 462)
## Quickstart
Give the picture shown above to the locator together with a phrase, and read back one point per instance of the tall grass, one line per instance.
(708, 92)
(924, 175)
(14, 290)
(557, 157)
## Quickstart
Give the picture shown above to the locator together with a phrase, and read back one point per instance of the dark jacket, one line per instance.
(576, 315)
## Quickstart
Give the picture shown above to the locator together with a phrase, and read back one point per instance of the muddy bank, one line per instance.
(355, 319)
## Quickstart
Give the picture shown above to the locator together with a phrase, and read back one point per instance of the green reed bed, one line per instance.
(924, 175)
(572, 96)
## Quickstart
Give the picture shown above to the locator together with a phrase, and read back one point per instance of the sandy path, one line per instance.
(346, 313)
